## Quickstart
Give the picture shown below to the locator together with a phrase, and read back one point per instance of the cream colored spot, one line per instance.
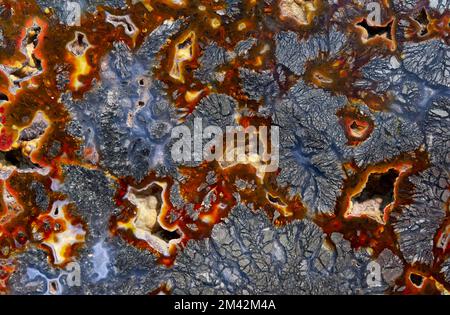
(369, 208)
(60, 242)
(301, 11)
(145, 224)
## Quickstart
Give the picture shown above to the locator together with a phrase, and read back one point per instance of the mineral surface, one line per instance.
(224, 147)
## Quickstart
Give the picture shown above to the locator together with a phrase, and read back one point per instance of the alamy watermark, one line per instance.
(73, 17)
(238, 145)
(375, 13)
(374, 274)
(73, 274)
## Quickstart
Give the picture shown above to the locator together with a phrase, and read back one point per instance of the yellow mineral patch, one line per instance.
(76, 55)
(145, 3)
(191, 96)
(242, 26)
(82, 68)
(215, 23)
(184, 51)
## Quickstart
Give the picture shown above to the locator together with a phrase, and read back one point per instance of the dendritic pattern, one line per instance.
(111, 182)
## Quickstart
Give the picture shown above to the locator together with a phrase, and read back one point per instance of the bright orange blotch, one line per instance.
(77, 56)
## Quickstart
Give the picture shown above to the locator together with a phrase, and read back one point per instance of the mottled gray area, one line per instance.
(312, 145)
(446, 269)
(217, 109)
(123, 270)
(430, 60)
(418, 222)
(293, 53)
(127, 117)
(41, 198)
(93, 194)
(391, 136)
(245, 255)
(213, 56)
(437, 130)
(391, 267)
(259, 85)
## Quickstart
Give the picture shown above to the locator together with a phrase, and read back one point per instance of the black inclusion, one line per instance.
(376, 30)
(416, 279)
(379, 185)
(4, 97)
(275, 200)
(422, 17)
(167, 235)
